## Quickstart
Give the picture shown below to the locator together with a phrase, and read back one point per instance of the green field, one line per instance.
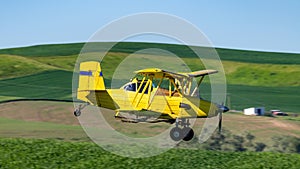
(54, 138)
(27, 153)
(56, 84)
(181, 51)
(253, 78)
(11, 128)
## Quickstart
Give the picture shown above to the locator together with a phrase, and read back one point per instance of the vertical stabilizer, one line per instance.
(90, 76)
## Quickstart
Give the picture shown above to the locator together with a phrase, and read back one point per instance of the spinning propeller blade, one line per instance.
(220, 118)
(222, 109)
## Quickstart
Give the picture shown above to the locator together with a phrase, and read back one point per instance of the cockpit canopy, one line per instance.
(135, 85)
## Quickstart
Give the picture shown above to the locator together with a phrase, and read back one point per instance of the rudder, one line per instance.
(91, 76)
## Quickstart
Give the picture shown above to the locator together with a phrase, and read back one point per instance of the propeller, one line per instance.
(220, 120)
(222, 109)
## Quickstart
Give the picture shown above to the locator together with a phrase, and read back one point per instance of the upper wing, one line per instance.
(159, 73)
(165, 73)
(202, 73)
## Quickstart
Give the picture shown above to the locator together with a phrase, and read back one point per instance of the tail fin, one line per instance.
(90, 76)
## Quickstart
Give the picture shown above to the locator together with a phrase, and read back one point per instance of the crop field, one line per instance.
(253, 78)
(45, 134)
(27, 153)
(48, 84)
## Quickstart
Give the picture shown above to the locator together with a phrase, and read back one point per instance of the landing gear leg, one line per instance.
(185, 133)
(77, 111)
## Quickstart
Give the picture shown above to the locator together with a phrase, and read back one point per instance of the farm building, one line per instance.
(256, 111)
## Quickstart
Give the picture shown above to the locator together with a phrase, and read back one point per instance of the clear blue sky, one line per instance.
(267, 25)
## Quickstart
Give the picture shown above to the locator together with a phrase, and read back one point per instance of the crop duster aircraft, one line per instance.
(153, 95)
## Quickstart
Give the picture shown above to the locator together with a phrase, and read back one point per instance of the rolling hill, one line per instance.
(31, 132)
(253, 78)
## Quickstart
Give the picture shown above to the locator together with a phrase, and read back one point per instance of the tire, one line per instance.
(176, 134)
(77, 112)
(188, 134)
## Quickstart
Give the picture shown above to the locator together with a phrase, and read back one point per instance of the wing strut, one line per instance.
(196, 88)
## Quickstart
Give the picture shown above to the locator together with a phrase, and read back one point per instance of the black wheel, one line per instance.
(77, 112)
(188, 134)
(176, 134)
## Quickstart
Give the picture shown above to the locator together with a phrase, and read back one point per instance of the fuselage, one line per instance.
(158, 100)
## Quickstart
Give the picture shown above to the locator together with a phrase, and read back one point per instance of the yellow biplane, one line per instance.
(154, 95)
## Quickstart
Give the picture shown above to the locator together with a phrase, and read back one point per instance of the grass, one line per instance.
(291, 117)
(264, 128)
(131, 47)
(13, 128)
(253, 74)
(45, 71)
(16, 66)
(59, 62)
(254, 78)
(28, 153)
(58, 85)
(242, 96)
(49, 84)
(283, 98)
(26, 119)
